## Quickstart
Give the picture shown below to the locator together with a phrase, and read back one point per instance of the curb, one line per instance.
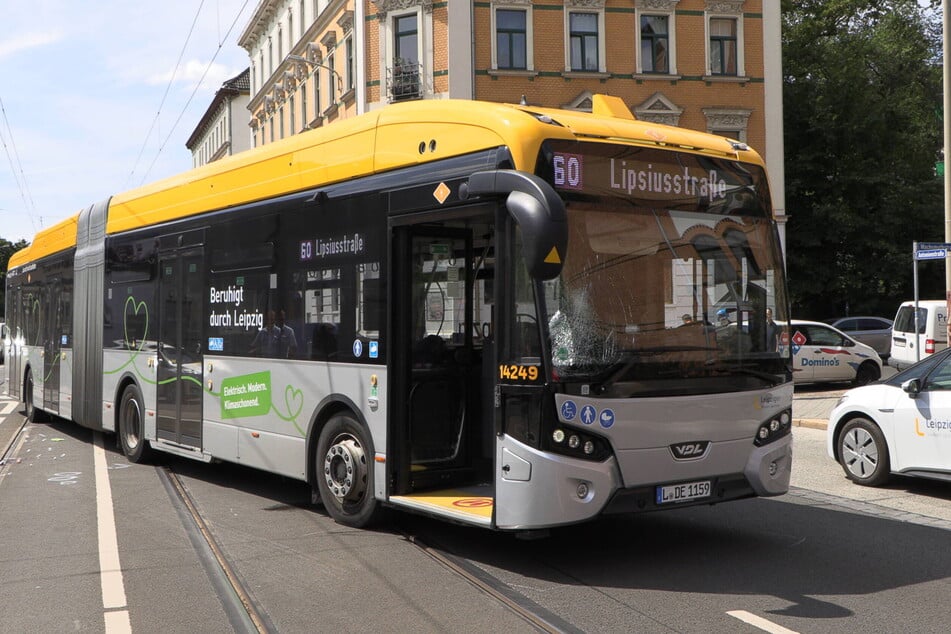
(812, 423)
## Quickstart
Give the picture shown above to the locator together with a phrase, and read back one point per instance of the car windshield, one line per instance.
(673, 290)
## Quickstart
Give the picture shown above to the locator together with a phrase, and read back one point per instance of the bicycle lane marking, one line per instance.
(116, 613)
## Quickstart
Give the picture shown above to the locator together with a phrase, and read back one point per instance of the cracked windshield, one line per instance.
(672, 273)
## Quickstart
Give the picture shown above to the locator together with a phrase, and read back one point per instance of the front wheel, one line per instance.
(863, 453)
(132, 426)
(344, 472)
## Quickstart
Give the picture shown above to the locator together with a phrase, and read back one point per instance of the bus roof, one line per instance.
(399, 135)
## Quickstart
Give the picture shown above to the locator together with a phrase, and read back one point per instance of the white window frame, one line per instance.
(580, 6)
(515, 5)
(730, 9)
(667, 8)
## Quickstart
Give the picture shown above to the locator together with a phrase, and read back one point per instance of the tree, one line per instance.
(862, 98)
(7, 249)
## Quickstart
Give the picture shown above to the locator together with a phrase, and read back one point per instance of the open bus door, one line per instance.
(441, 454)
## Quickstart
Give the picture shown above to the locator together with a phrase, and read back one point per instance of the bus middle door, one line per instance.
(180, 378)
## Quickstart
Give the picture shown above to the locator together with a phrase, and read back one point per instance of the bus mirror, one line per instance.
(539, 212)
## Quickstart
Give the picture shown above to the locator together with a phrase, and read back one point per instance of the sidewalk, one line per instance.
(812, 408)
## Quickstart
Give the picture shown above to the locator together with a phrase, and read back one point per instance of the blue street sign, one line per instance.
(931, 254)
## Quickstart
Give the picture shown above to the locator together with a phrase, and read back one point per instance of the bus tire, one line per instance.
(863, 453)
(33, 414)
(132, 425)
(344, 472)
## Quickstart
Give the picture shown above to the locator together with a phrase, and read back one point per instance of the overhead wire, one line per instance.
(198, 84)
(168, 87)
(16, 168)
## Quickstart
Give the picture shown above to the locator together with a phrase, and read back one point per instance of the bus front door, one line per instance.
(179, 390)
(437, 422)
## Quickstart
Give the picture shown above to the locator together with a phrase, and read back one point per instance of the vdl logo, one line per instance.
(693, 450)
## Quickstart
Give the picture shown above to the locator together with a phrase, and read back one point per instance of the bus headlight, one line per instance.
(774, 428)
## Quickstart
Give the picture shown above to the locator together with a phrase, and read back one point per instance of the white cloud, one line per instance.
(27, 41)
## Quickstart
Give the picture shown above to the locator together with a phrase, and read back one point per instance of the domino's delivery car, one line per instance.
(907, 348)
(822, 353)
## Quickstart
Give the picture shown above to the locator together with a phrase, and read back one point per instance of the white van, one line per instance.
(932, 332)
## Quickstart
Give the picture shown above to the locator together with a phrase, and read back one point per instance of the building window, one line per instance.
(583, 42)
(317, 106)
(403, 74)
(351, 69)
(261, 67)
(331, 62)
(300, 16)
(511, 39)
(731, 123)
(280, 45)
(303, 99)
(723, 46)
(655, 44)
(281, 123)
(406, 44)
(270, 57)
(293, 111)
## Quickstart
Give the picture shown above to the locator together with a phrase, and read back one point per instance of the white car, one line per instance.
(822, 353)
(901, 425)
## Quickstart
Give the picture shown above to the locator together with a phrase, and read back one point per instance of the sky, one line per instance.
(98, 98)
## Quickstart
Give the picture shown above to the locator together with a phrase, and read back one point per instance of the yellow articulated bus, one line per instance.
(505, 316)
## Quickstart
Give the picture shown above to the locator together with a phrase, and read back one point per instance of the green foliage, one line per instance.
(862, 98)
(7, 249)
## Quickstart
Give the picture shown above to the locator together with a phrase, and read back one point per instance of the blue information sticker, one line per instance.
(374, 349)
(606, 418)
(588, 414)
(569, 410)
(216, 344)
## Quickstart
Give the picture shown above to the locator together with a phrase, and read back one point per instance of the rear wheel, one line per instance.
(345, 472)
(867, 373)
(132, 426)
(32, 414)
(863, 453)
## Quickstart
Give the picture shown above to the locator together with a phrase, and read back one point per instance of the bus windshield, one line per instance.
(673, 282)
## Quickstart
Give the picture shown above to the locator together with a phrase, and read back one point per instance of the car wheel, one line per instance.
(863, 452)
(867, 373)
(344, 465)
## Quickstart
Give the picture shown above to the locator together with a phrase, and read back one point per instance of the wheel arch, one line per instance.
(122, 384)
(329, 407)
(850, 416)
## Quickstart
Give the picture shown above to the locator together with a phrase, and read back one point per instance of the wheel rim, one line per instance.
(345, 469)
(859, 453)
(131, 417)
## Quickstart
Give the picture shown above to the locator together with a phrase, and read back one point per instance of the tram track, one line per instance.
(516, 603)
(243, 612)
(246, 616)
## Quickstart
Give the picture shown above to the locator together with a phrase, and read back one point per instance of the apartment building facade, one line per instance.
(222, 130)
(711, 65)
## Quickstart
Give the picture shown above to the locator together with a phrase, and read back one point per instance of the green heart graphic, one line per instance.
(125, 321)
(294, 399)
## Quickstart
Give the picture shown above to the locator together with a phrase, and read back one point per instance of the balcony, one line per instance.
(403, 81)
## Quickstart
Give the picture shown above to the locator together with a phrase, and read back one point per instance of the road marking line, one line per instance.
(8, 408)
(110, 571)
(760, 622)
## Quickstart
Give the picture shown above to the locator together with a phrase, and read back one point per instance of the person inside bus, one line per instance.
(275, 338)
(286, 345)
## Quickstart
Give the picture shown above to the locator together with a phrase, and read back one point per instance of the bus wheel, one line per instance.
(345, 472)
(863, 453)
(132, 426)
(32, 414)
